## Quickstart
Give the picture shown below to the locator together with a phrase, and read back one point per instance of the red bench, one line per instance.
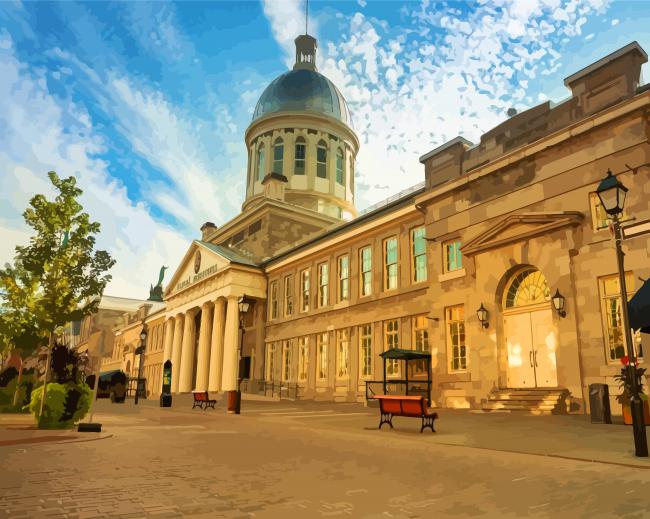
(411, 406)
(202, 400)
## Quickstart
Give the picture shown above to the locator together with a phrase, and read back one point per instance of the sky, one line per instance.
(146, 104)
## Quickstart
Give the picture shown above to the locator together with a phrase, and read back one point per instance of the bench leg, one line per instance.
(196, 404)
(427, 421)
(386, 418)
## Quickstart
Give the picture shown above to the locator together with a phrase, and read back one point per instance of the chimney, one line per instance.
(274, 185)
(207, 229)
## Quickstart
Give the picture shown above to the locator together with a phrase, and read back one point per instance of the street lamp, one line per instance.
(483, 315)
(559, 303)
(244, 305)
(140, 350)
(612, 196)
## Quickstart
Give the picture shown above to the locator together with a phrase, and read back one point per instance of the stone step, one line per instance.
(522, 397)
(531, 392)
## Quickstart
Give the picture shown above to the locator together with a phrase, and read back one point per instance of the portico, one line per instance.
(202, 317)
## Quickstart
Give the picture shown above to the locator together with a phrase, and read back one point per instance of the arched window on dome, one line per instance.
(260, 162)
(278, 156)
(321, 160)
(340, 167)
(299, 161)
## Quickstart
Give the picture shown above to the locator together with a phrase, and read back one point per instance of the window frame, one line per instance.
(387, 276)
(288, 295)
(604, 297)
(365, 351)
(392, 365)
(446, 256)
(343, 293)
(323, 287)
(269, 367)
(364, 273)
(278, 144)
(340, 167)
(322, 345)
(261, 161)
(415, 257)
(305, 289)
(343, 351)
(303, 358)
(321, 166)
(300, 141)
(285, 365)
(449, 322)
(273, 300)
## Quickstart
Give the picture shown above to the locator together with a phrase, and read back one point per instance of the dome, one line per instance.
(303, 90)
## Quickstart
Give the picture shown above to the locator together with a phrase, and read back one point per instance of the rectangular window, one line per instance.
(420, 339)
(391, 341)
(455, 324)
(321, 161)
(270, 359)
(344, 278)
(323, 284)
(286, 360)
(453, 256)
(273, 298)
(304, 291)
(342, 353)
(321, 354)
(278, 157)
(365, 259)
(299, 162)
(390, 263)
(288, 295)
(610, 294)
(599, 217)
(365, 350)
(303, 359)
(418, 255)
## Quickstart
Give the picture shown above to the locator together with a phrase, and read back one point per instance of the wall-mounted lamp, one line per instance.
(558, 303)
(483, 316)
(435, 319)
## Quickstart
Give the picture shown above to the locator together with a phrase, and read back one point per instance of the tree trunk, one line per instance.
(20, 376)
(47, 372)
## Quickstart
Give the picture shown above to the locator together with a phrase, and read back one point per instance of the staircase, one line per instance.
(533, 401)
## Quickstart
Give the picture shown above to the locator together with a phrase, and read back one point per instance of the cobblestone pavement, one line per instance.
(279, 460)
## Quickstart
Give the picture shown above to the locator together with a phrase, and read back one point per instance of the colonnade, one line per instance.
(217, 355)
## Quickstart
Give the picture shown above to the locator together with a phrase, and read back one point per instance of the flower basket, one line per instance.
(627, 413)
(625, 383)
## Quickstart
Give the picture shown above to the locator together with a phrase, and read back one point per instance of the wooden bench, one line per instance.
(202, 400)
(411, 406)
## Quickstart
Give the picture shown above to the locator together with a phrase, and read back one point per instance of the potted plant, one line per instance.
(625, 384)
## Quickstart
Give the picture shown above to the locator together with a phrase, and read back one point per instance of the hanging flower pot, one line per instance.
(627, 413)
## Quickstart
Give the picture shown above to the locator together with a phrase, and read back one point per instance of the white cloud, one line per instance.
(37, 138)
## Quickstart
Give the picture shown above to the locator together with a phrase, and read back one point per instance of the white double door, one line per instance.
(531, 344)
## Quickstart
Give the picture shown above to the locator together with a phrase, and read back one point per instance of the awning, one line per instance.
(639, 308)
(107, 375)
(399, 353)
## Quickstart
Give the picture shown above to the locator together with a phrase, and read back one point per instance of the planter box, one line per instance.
(627, 414)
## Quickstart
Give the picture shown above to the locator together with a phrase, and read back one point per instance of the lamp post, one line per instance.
(612, 196)
(140, 350)
(244, 304)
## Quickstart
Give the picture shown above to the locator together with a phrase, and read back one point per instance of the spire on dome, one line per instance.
(305, 52)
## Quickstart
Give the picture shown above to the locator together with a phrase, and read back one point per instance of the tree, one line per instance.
(67, 274)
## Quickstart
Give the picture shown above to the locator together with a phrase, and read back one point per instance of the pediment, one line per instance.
(518, 227)
(200, 262)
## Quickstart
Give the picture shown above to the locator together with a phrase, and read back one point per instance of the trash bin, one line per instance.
(599, 403)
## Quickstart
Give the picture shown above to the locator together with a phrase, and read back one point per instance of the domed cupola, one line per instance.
(301, 129)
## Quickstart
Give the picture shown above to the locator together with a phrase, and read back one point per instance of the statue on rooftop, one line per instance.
(156, 293)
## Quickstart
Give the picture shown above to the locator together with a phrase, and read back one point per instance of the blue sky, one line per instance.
(147, 103)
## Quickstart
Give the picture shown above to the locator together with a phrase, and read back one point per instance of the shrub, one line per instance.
(65, 404)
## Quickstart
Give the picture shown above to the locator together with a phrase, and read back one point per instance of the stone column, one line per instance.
(176, 351)
(187, 354)
(169, 337)
(216, 349)
(203, 356)
(231, 346)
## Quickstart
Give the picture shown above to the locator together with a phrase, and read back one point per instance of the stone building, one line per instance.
(499, 225)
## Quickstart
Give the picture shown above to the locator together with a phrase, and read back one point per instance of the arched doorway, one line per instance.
(530, 336)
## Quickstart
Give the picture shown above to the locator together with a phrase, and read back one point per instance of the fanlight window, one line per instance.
(527, 287)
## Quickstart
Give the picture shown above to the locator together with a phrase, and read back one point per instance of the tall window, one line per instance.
(453, 256)
(286, 360)
(365, 350)
(278, 155)
(455, 324)
(261, 169)
(610, 294)
(323, 284)
(418, 255)
(420, 340)
(273, 300)
(299, 160)
(390, 263)
(342, 353)
(321, 354)
(321, 160)
(303, 358)
(304, 290)
(288, 295)
(340, 165)
(344, 278)
(270, 359)
(391, 341)
(365, 260)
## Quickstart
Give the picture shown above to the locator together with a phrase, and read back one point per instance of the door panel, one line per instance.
(544, 347)
(520, 353)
